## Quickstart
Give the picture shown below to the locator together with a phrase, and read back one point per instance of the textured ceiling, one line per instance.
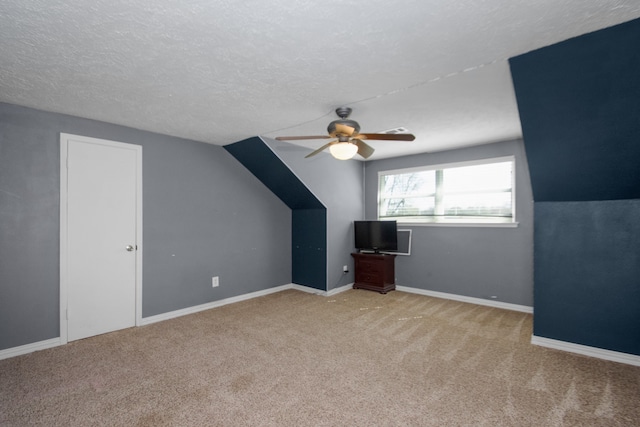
(221, 71)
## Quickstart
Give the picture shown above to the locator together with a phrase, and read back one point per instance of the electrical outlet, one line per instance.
(345, 268)
(215, 282)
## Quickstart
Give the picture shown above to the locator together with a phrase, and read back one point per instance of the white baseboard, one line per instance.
(599, 353)
(330, 293)
(54, 342)
(29, 348)
(306, 289)
(471, 300)
(213, 304)
(190, 310)
(341, 289)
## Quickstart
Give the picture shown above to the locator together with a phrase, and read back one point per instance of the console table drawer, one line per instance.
(374, 272)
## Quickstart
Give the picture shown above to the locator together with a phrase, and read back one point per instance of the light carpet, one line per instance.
(298, 359)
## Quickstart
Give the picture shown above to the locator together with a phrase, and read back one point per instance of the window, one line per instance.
(470, 192)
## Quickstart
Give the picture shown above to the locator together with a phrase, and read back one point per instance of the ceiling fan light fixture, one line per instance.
(343, 150)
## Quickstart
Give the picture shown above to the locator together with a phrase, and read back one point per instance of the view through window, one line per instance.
(473, 192)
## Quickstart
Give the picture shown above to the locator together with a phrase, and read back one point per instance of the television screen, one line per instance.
(376, 236)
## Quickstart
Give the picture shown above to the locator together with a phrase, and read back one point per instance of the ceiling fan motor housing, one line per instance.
(331, 129)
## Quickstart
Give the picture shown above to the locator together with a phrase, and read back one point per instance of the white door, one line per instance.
(102, 232)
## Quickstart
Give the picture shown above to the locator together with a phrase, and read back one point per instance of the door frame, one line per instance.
(64, 253)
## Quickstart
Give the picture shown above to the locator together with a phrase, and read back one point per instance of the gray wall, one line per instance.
(204, 214)
(477, 262)
(338, 185)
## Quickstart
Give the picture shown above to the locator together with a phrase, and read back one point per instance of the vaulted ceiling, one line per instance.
(221, 71)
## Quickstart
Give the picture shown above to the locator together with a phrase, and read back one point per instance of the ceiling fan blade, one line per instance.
(319, 150)
(364, 149)
(344, 129)
(388, 136)
(293, 138)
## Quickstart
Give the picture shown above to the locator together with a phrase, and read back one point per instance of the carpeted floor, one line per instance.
(297, 359)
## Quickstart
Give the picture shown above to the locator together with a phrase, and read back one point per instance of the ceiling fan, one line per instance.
(349, 140)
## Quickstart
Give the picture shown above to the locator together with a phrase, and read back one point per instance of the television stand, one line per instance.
(374, 272)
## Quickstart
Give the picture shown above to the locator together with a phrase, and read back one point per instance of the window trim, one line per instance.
(457, 222)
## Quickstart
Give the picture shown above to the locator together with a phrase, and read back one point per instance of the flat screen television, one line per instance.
(376, 236)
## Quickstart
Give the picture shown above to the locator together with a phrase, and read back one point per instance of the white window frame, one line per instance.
(455, 222)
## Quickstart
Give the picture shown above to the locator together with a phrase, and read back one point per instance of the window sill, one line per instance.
(460, 224)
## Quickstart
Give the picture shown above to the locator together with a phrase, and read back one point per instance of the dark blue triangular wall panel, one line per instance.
(256, 156)
(579, 104)
(309, 215)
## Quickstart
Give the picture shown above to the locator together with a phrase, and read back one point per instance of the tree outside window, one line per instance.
(478, 192)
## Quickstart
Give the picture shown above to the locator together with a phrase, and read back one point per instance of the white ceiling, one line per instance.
(221, 71)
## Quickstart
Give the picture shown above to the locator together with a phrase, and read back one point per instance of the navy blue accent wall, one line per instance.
(587, 273)
(579, 104)
(308, 247)
(309, 215)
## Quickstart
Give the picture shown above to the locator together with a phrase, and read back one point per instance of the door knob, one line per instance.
(129, 248)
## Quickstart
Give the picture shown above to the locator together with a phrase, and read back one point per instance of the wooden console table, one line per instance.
(375, 272)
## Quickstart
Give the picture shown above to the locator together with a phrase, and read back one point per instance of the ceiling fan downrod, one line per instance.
(343, 112)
